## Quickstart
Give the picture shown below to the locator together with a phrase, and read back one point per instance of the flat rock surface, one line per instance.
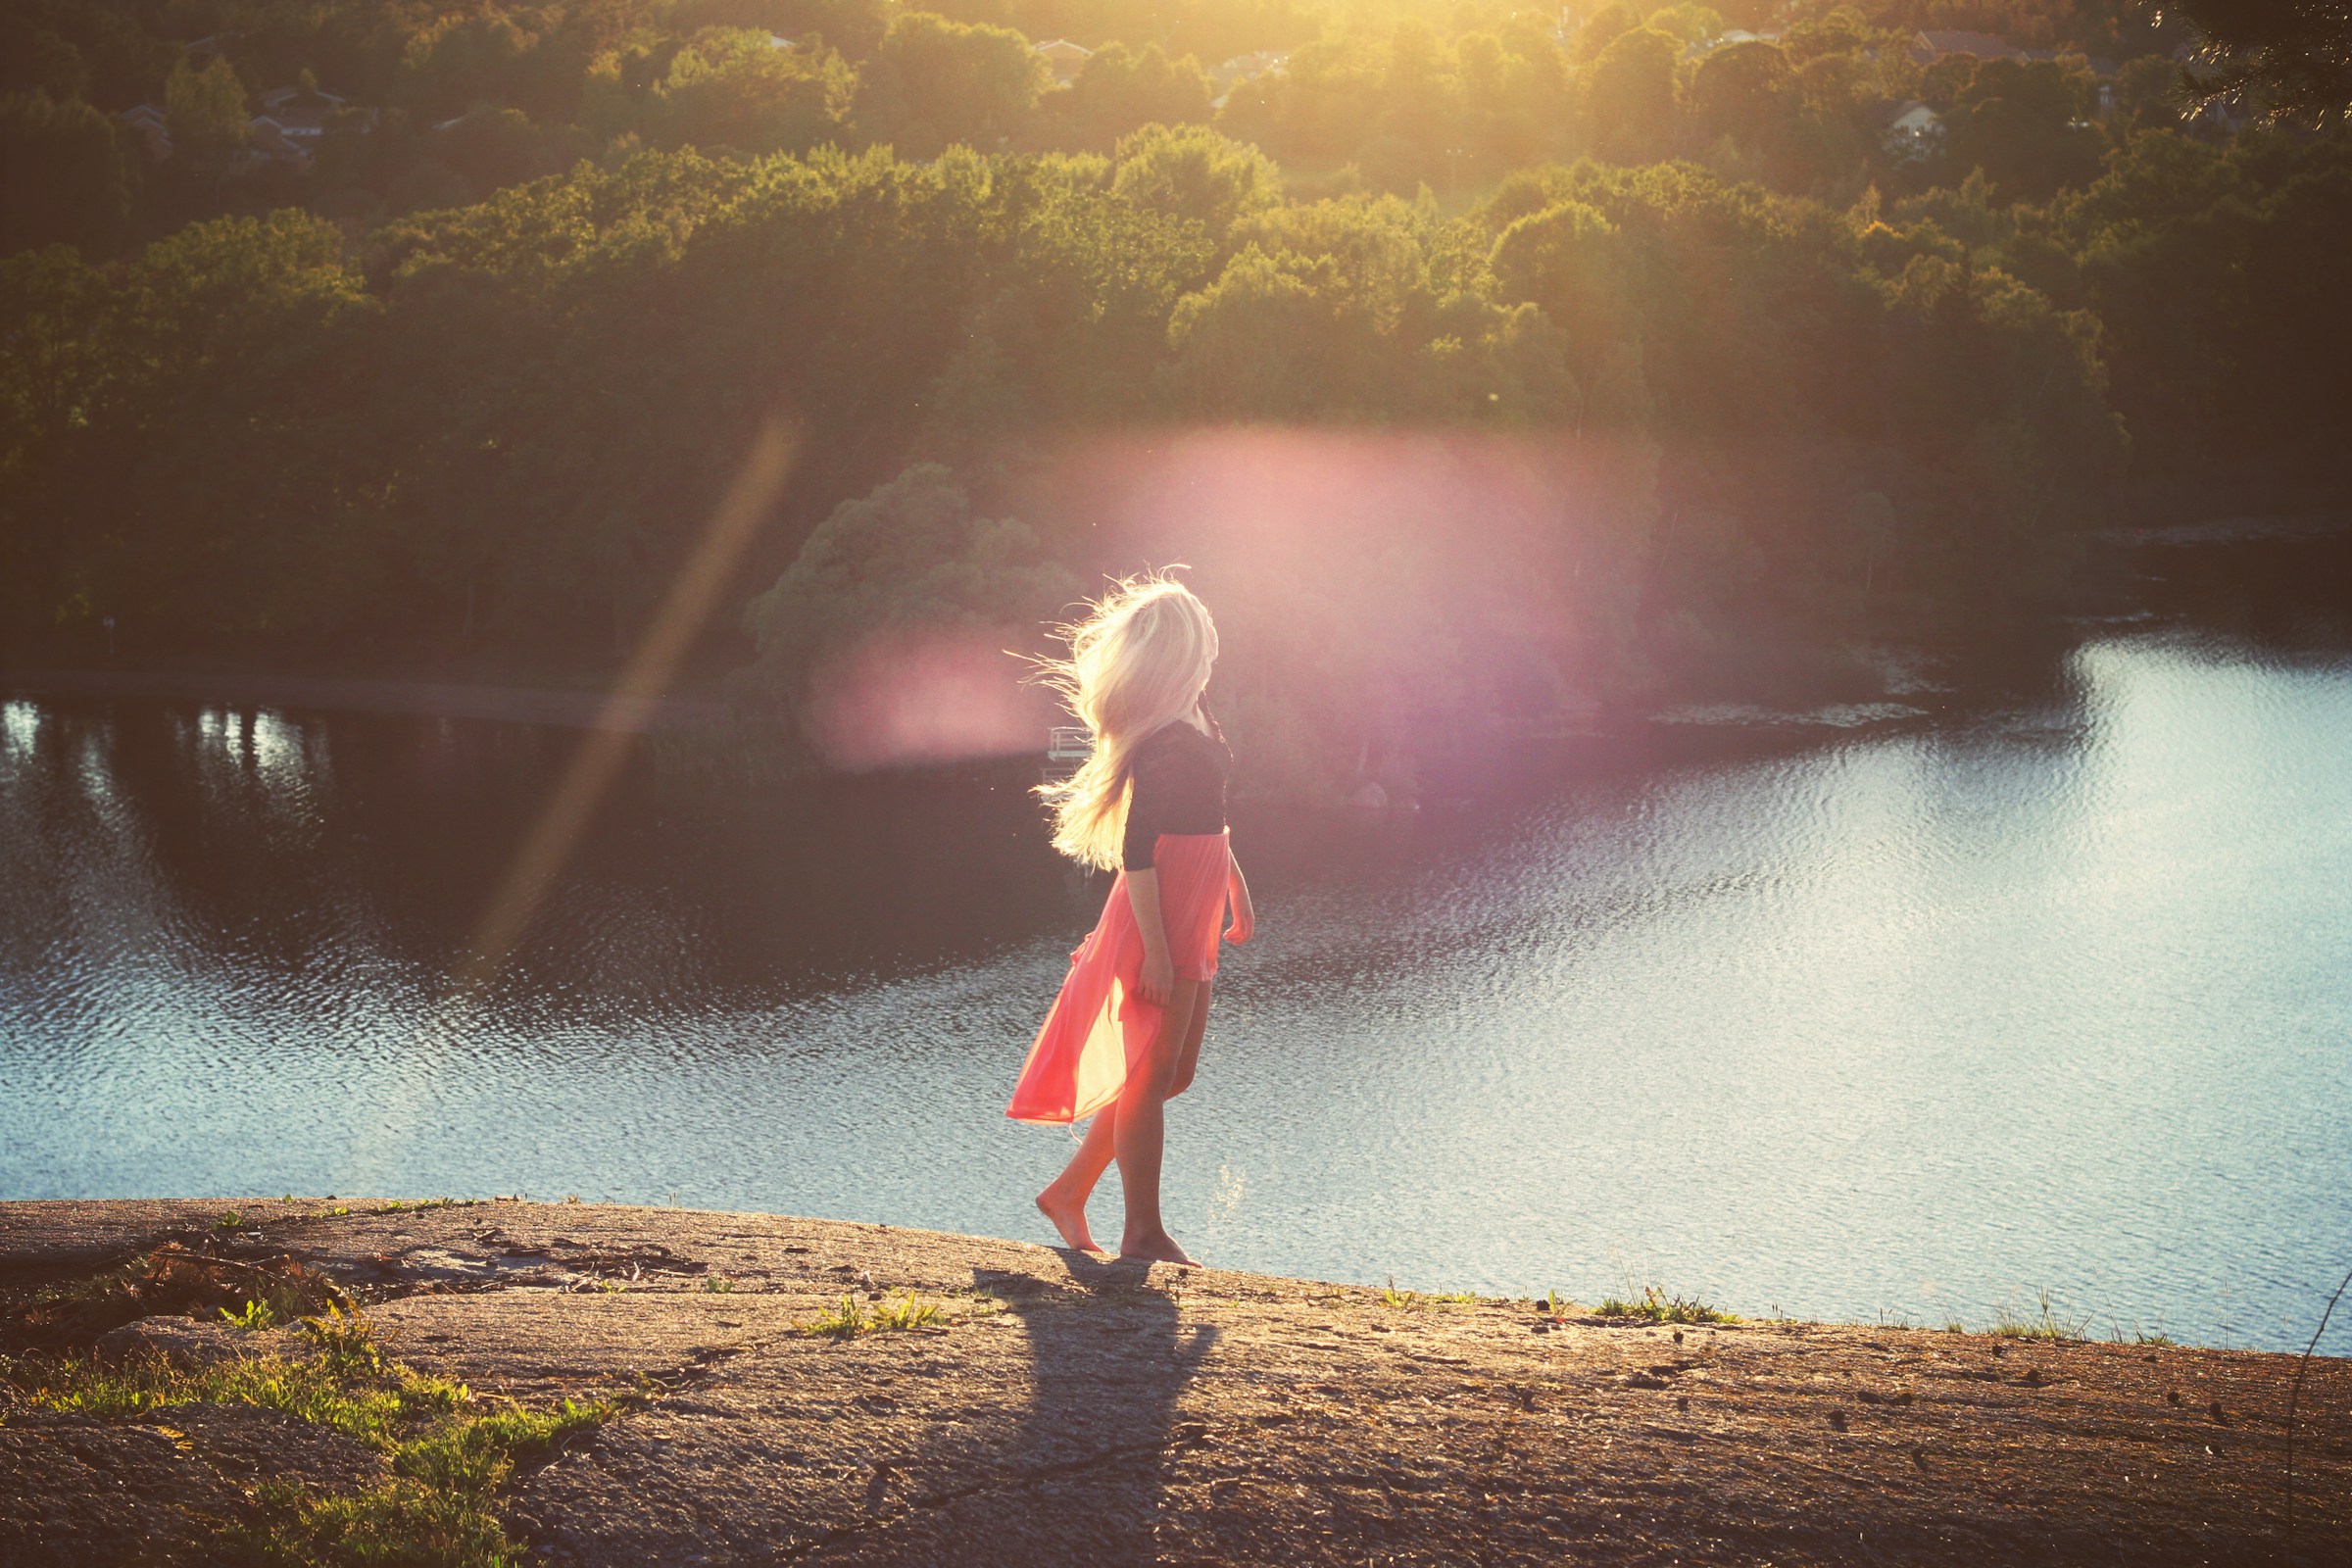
(1060, 1409)
(75, 1490)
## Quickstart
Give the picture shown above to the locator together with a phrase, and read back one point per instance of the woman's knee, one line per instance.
(1157, 1080)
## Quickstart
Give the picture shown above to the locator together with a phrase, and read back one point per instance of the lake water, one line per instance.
(2038, 983)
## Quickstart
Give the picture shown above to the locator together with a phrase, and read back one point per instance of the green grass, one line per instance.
(908, 1311)
(255, 1315)
(1415, 1302)
(1659, 1308)
(2046, 1324)
(850, 1317)
(448, 1448)
(2138, 1334)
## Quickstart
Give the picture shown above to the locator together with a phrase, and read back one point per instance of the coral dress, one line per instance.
(1101, 1029)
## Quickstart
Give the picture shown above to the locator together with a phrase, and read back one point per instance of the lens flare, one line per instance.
(900, 699)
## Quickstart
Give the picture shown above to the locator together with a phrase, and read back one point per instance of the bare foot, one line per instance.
(1159, 1247)
(1069, 1219)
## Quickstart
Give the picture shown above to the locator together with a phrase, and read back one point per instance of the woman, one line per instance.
(1124, 1035)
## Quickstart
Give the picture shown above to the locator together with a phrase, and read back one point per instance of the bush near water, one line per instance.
(1631, 354)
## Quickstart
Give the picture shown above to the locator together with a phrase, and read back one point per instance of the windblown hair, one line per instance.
(1138, 664)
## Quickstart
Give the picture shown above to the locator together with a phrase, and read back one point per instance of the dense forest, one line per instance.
(1480, 358)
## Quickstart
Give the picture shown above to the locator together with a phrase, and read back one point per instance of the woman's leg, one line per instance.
(1140, 1137)
(1063, 1202)
(1189, 1057)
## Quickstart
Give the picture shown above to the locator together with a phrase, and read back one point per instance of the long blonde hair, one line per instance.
(1137, 664)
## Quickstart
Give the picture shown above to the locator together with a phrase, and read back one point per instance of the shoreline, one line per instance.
(993, 1401)
(552, 707)
(698, 707)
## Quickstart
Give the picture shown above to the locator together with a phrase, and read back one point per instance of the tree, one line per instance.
(207, 113)
(1118, 91)
(1629, 95)
(734, 88)
(1602, 29)
(1569, 258)
(2290, 57)
(935, 82)
(2148, 96)
(2021, 123)
(65, 175)
(910, 556)
(1191, 172)
(1747, 91)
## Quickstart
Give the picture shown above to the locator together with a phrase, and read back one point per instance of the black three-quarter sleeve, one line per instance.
(1178, 787)
(1142, 834)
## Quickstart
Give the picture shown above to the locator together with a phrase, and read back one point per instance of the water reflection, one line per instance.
(2042, 991)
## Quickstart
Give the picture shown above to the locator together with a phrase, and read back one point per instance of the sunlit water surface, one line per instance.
(2042, 991)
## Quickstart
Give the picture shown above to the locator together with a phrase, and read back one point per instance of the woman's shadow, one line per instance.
(1110, 1361)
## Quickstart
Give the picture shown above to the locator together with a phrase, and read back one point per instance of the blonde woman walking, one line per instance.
(1124, 1035)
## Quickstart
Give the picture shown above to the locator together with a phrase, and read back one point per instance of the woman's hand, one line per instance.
(1245, 919)
(1158, 980)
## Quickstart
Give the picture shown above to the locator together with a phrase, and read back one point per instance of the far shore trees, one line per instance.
(457, 372)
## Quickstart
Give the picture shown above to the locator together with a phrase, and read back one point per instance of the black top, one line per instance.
(1179, 788)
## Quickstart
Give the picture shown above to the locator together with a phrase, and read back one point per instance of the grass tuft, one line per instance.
(850, 1317)
(1415, 1302)
(1659, 1308)
(908, 1311)
(2046, 1324)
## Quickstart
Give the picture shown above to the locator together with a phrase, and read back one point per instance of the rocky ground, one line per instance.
(1060, 1409)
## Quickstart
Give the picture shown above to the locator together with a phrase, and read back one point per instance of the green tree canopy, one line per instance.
(1118, 91)
(1191, 172)
(66, 175)
(935, 82)
(1629, 94)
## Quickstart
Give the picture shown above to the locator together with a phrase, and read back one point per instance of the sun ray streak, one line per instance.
(627, 709)
(553, 835)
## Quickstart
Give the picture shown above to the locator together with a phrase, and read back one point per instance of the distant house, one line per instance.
(153, 126)
(294, 121)
(275, 143)
(1064, 57)
(2099, 66)
(1724, 40)
(776, 41)
(279, 100)
(1929, 47)
(1245, 67)
(1914, 133)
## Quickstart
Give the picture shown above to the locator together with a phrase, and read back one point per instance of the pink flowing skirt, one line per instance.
(1099, 1029)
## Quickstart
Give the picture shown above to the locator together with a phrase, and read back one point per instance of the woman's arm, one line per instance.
(1244, 917)
(1159, 968)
